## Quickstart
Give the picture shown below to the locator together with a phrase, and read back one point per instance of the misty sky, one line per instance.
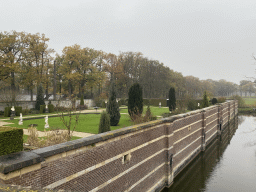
(209, 39)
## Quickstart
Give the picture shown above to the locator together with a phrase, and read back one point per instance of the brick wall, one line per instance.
(144, 157)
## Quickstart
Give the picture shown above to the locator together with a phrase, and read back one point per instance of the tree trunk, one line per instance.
(31, 94)
(54, 81)
(13, 88)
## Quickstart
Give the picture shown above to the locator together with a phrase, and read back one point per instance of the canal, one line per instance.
(227, 164)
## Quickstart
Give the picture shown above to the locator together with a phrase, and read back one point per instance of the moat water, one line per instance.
(228, 163)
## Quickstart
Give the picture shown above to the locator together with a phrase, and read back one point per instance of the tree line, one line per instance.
(26, 61)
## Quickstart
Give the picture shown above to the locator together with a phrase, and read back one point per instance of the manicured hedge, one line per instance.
(18, 110)
(7, 111)
(42, 108)
(11, 140)
(50, 108)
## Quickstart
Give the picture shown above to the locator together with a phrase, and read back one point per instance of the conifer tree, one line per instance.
(172, 99)
(135, 101)
(205, 102)
(113, 107)
(39, 97)
(104, 125)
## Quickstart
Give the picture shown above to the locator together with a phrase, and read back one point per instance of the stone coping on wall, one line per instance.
(19, 160)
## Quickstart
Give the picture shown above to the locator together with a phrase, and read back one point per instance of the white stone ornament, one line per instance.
(46, 126)
(21, 120)
(12, 108)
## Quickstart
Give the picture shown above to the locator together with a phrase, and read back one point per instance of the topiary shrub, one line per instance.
(7, 111)
(214, 101)
(11, 140)
(42, 109)
(113, 107)
(39, 98)
(18, 110)
(205, 102)
(135, 101)
(104, 125)
(172, 99)
(51, 108)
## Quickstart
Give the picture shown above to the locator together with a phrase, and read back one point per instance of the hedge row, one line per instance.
(7, 111)
(50, 107)
(11, 140)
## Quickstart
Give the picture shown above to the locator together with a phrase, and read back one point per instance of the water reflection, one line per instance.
(197, 176)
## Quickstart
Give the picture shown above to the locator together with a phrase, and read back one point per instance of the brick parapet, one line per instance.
(175, 141)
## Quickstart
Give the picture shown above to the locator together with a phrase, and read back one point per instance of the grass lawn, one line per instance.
(250, 100)
(88, 123)
(156, 111)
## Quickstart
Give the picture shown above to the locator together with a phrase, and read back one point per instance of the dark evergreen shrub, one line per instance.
(39, 98)
(205, 102)
(104, 125)
(214, 101)
(113, 107)
(172, 99)
(135, 101)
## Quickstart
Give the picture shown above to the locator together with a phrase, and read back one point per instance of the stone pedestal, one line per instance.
(12, 113)
(46, 109)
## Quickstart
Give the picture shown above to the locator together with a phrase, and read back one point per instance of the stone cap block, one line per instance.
(15, 161)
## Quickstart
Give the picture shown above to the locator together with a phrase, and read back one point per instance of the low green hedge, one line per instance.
(7, 111)
(11, 140)
(50, 108)
(42, 108)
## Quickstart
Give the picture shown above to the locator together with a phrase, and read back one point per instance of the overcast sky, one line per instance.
(209, 39)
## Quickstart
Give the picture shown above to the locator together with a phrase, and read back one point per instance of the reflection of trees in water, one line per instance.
(241, 119)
